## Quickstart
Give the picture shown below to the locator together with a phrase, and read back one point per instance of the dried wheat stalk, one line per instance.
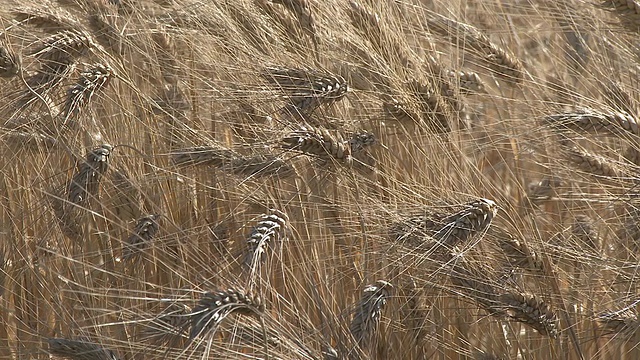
(368, 312)
(436, 111)
(85, 183)
(620, 324)
(10, 64)
(504, 63)
(91, 81)
(203, 155)
(126, 201)
(261, 165)
(307, 89)
(269, 229)
(532, 311)
(520, 255)
(628, 11)
(618, 98)
(462, 225)
(80, 350)
(593, 122)
(168, 326)
(142, 235)
(49, 18)
(64, 47)
(590, 163)
(302, 12)
(469, 82)
(214, 307)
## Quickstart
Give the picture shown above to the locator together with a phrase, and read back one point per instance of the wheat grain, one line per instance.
(532, 311)
(469, 82)
(10, 64)
(86, 182)
(64, 47)
(91, 82)
(368, 312)
(80, 350)
(501, 61)
(214, 307)
(620, 324)
(144, 232)
(269, 229)
(597, 123)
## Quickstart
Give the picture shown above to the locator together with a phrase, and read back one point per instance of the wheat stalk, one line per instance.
(79, 350)
(307, 89)
(532, 311)
(203, 156)
(214, 307)
(269, 229)
(85, 183)
(91, 81)
(368, 312)
(63, 47)
(503, 63)
(142, 235)
(593, 122)
(261, 165)
(620, 324)
(10, 64)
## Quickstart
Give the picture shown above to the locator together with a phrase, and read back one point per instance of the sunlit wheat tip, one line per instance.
(214, 307)
(269, 229)
(144, 232)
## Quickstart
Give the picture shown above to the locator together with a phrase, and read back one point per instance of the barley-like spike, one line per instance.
(85, 183)
(632, 154)
(45, 18)
(520, 255)
(620, 324)
(473, 283)
(400, 111)
(319, 142)
(307, 89)
(79, 350)
(543, 190)
(269, 229)
(214, 307)
(360, 141)
(368, 313)
(592, 164)
(203, 156)
(470, 82)
(501, 61)
(261, 165)
(64, 47)
(436, 111)
(628, 11)
(417, 230)
(90, 82)
(619, 99)
(302, 11)
(461, 226)
(585, 232)
(10, 63)
(106, 32)
(142, 235)
(593, 122)
(365, 20)
(168, 326)
(532, 311)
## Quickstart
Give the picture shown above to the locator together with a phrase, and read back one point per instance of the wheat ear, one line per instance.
(86, 182)
(532, 311)
(269, 229)
(142, 235)
(214, 307)
(366, 319)
(623, 324)
(10, 64)
(79, 350)
(64, 47)
(91, 81)
(594, 122)
(628, 11)
(462, 225)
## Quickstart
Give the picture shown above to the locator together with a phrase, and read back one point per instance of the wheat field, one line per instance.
(305, 179)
